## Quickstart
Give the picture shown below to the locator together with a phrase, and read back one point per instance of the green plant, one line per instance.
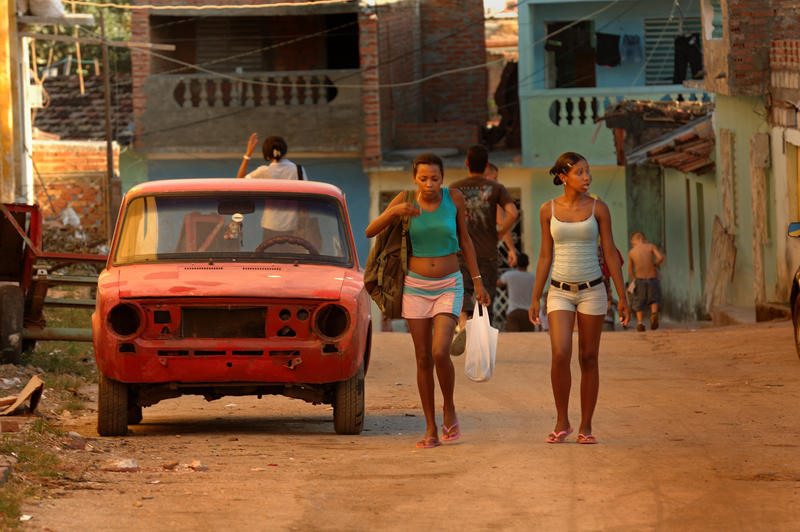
(37, 468)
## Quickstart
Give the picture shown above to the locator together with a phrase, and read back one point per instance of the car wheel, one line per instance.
(348, 404)
(12, 310)
(134, 413)
(796, 323)
(112, 407)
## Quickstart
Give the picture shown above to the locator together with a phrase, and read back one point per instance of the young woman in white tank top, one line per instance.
(571, 224)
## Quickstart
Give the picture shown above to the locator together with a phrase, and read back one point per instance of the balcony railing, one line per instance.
(316, 110)
(275, 89)
(560, 120)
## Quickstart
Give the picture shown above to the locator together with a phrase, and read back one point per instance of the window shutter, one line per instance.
(659, 46)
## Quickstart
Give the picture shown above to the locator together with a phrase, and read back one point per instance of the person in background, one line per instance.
(508, 238)
(643, 262)
(520, 287)
(280, 217)
(482, 197)
(433, 289)
(277, 167)
(571, 225)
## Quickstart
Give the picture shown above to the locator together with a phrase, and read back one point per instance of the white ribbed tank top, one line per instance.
(575, 248)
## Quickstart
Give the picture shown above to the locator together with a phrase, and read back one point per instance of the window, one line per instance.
(659, 47)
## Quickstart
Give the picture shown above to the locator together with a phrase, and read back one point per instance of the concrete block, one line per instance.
(730, 315)
(9, 425)
(769, 312)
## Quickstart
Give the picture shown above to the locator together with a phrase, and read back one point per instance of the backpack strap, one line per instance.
(299, 172)
(404, 244)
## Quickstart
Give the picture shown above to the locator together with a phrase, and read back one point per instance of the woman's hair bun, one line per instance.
(563, 164)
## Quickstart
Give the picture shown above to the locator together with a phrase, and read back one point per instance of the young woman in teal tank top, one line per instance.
(434, 286)
(570, 225)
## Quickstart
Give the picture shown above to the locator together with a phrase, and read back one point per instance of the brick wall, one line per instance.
(400, 56)
(368, 51)
(739, 62)
(453, 36)
(436, 135)
(749, 32)
(73, 174)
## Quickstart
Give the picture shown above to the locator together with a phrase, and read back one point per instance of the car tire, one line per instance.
(796, 323)
(112, 407)
(134, 413)
(12, 312)
(348, 404)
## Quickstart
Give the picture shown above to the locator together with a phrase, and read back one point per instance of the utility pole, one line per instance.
(109, 139)
(10, 146)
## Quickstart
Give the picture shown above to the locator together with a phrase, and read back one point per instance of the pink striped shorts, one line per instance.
(426, 297)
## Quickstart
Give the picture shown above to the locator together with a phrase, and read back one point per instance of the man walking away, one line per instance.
(643, 261)
(520, 287)
(481, 196)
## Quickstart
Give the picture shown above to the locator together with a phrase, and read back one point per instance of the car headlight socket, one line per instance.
(331, 321)
(125, 320)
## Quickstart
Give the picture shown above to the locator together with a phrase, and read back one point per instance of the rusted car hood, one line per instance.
(231, 280)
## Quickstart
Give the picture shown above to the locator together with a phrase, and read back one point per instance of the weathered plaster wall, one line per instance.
(745, 116)
(689, 217)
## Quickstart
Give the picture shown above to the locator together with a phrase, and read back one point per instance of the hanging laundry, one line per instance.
(607, 49)
(687, 52)
(631, 49)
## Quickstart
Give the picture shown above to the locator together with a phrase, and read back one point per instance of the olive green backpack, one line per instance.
(387, 265)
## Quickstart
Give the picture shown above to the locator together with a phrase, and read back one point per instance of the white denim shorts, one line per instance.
(592, 301)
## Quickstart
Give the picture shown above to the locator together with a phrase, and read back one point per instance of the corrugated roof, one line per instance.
(689, 148)
(672, 134)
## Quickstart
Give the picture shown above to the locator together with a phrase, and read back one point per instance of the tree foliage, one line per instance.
(117, 23)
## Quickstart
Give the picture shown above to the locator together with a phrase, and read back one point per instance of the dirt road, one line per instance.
(698, 429)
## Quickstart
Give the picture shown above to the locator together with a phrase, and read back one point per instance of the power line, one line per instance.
(207, 7)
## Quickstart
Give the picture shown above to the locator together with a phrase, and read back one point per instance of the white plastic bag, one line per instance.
(481, 345)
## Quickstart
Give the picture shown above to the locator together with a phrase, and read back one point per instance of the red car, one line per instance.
(220, 287)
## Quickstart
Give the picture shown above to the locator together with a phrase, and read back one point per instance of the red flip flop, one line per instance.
(586, 439)
(428, 443)
(453, 432)
(558, 437)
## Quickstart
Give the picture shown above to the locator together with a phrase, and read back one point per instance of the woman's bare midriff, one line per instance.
(434, 266)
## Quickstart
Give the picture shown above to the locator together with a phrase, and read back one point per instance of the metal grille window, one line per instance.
(659, 46)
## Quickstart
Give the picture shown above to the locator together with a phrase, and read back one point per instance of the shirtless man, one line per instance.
(643, 261)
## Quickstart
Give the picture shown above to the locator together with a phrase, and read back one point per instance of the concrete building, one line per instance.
(341, 81)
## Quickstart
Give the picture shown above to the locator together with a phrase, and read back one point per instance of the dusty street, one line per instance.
(698, 430)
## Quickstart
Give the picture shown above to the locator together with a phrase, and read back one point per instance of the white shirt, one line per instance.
(520, 288)
(279, 215)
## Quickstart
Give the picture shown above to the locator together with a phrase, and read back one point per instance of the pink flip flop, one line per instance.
(428, 443)
(558, 437)
(586, 439)
(453, 432)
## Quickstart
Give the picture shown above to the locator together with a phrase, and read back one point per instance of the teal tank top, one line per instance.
(434, 234)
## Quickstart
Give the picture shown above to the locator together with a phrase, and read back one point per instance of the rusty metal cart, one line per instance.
(26, 274)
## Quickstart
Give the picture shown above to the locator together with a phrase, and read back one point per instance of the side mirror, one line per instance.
(794, 229)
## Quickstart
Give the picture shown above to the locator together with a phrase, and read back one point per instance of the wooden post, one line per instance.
(109, 140)
(78, 56)
(726, 174)
(759, 160)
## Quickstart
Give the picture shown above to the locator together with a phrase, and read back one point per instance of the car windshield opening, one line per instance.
(270, 227)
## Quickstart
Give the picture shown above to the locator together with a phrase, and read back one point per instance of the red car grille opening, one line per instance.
(224, 322)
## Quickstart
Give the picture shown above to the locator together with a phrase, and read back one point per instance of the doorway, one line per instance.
(570, 55)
